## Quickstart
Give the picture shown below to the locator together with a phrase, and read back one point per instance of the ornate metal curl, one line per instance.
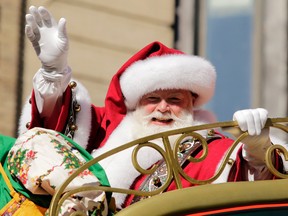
(270, 153)
(195, 136)
(198, 137)
(135, 153)
(169, 153)
(269, 159)
(153, 168)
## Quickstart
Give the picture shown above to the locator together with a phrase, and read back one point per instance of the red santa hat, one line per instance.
(154, 67)
(165, 68)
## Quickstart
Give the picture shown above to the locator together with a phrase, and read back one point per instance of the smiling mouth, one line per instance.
(163, 121)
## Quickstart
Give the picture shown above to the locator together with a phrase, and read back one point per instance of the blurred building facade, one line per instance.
(246, 40)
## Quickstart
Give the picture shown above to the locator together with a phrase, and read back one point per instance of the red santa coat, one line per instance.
(96, 124)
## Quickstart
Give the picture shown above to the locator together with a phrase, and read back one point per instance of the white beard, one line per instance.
(119, 168)
(143, 126)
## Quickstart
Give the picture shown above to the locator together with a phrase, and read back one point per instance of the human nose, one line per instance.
(163, 106)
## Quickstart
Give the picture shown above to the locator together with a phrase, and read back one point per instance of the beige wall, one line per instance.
(273, 58)
(103, 35)
(9, 39)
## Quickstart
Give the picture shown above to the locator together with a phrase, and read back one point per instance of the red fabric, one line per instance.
(200, 171)
(55, 123)
(206, 169)
(35, 115)
(236, 173)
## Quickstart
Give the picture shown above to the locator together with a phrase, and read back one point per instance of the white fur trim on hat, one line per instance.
(177, 71)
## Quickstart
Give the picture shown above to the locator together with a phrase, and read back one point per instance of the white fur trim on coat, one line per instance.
(178, 71)
(84, 117)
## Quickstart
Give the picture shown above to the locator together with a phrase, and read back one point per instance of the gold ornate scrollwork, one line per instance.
(170, 155)
(177, 166)
(135, 152)
(270, 159)
(198, 137)
(154, 167)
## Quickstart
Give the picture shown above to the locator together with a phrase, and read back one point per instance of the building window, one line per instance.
(228, 45)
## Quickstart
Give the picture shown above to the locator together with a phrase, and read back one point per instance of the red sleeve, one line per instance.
(236, 174)
(58, 118)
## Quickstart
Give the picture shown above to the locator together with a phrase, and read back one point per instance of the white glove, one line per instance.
(48, 38)
(258, 140)
(251, 120)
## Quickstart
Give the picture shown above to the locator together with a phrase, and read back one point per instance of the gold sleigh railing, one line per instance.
(169, 154)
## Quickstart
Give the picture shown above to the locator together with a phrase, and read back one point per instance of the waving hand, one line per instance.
(48, 38)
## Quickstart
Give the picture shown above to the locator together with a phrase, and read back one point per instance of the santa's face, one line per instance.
(163, 104)
(163, 110)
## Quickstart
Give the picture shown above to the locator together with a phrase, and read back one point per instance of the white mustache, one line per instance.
(160, 116)
(165, 116)
(143, 126)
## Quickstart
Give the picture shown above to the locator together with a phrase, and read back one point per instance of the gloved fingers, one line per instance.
(29, 33)
(62, 29)
(240, 117)
(255, 125)
(47, 18)
(251, 120)
(31, 36)
(34, 11)
(263, 116)
(32, 30)
(247, 119)
(260, 116)
(62, 34)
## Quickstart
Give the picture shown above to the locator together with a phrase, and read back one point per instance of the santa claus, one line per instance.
(157, 89)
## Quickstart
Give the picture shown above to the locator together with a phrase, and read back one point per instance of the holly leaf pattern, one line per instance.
(69, 159)
(18, 163)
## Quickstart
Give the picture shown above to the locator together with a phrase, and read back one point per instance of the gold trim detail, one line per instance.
(169, 154)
